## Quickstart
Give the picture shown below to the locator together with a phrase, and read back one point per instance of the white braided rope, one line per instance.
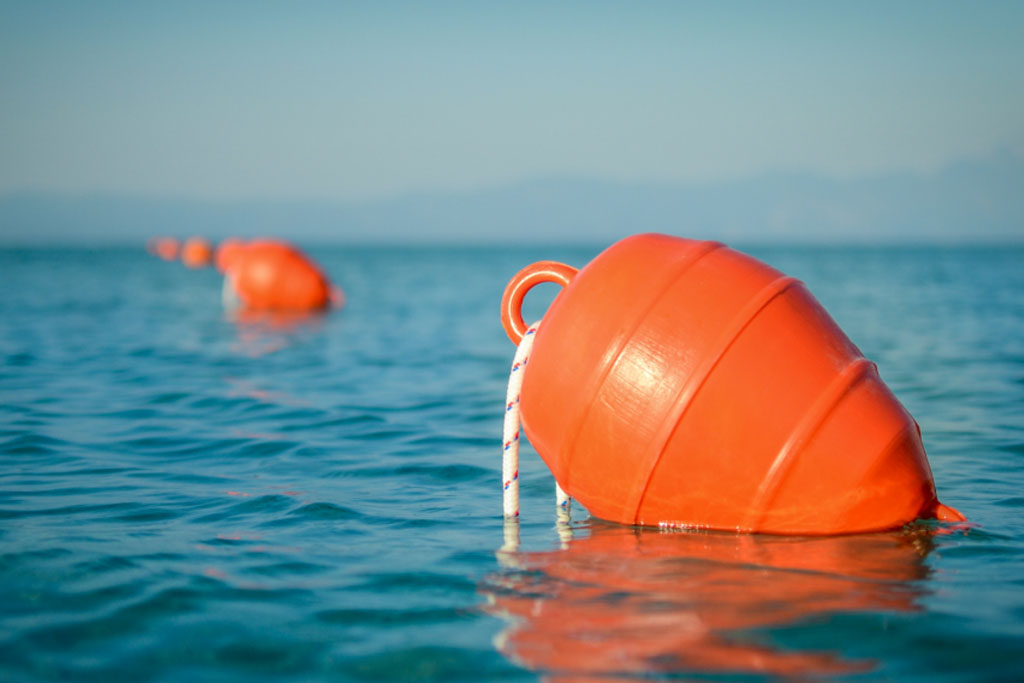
(562, 498)
(511, 430)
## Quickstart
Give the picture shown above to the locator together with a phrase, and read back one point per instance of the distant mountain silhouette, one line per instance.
(972, 201)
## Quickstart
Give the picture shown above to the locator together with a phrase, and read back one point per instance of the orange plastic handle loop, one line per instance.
(520, 284)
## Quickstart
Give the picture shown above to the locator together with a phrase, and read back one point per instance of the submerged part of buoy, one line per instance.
(196, 252)
(270, 275)
(681, 383)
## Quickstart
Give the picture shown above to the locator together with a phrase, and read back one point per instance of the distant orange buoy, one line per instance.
(165, 247)
(269, 275)
(227, 252)
(681, 383)
(196, 252)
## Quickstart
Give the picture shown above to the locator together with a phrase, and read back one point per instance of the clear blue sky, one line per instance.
(353, 101)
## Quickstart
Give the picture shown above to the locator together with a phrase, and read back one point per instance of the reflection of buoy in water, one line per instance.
(196, 252)
(164, 247)
(681, 383)
(227, 252)
(270, 275)
(626, 602)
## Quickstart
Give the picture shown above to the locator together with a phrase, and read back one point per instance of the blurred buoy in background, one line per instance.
(196, 252)
(272, 275)
(166, 248)
(227, 251)
(681, 383)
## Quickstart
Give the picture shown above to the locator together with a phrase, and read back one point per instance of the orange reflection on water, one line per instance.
(626, 602)
(261, 333)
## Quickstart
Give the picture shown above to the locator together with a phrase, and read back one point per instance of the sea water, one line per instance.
(188, 496)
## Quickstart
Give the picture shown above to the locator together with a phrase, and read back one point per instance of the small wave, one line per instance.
(332, 422)
(266, 448)
(432, 582)
(266, 504)
(448, 441)
(392, 617)
(426, 663)
(452, 473)
(33, 444)
(21, 359)
(147, 515)
(325, 511)
(28, 558)
(93, 511)
(286, 569)
(169, 397)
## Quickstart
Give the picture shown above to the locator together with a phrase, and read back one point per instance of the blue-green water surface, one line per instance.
(187, 497)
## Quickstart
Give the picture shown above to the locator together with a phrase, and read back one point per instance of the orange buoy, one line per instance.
(270, 275)
(227, 251)
(166, 248)
(196, 252)
(681, 383)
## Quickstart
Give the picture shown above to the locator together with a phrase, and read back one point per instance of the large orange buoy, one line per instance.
(681, 383)
(196, 252)
(270, 275)
(227, 251)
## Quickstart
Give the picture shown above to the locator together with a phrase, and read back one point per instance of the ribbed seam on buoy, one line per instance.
(802, 433)
(598, 380)
(688, 391)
